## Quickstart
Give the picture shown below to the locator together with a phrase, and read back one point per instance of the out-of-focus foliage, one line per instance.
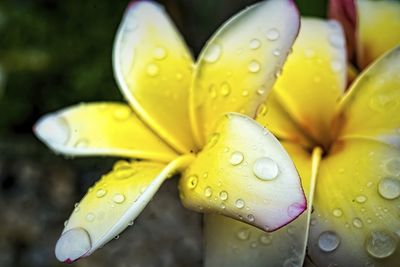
(58, 53)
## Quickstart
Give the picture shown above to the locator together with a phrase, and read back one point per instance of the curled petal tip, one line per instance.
(73, 245)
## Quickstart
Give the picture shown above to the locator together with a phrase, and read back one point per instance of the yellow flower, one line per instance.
(175, 105)
(345, 144)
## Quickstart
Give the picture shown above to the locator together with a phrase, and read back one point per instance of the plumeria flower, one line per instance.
(242, 171)
(345, 142)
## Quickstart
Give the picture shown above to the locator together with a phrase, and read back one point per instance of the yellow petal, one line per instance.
(372, 106)
(233, 243)
(314, 77)
(237, 68)
(378, 29)
(356, 206)
(273, 116)
(246, 174)
(111, 205)
(101, 129)
(153, 68)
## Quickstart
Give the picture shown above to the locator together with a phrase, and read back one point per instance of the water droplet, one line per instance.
(328, 241)
(381, 102)
(122, 113)
(225, 89)
(273, 34)
(90, 217)
(213, 91)
(276, 52)
(223, 206)
(223, 195)
(265, 169)
(213, 53)
(389, 188)
(192, 181)
(118, 198)
(124, 173)
(254, 66)
(336, 65)
(244, 234)
(261, 90)
(101, 192)
(81, 143)
(337, 212)
(255, 44)
(357, 223)
(213, 140)
(239, 203)
(160, 53)
(262, 110)
(130, 223)
(152, 70)
(116, 237)
(236, 158)
(245, 93)
(265, 239)
(253, 244)
(250, 218)
(380, 244)
(393, 166)
(208, 191)
(361, 199)
(65, 223)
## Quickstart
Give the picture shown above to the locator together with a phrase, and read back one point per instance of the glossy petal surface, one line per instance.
(378, 29)
(153, 68)
(238, 67)
(372, 106)
(113, 203)
(246, 174)
(233, 243)
(101, 129)
(356, 206)
(314, 77)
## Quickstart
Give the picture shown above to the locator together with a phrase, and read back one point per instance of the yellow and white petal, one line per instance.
(273, 116)
(153, 68)
(372, 106)
(356, 206)
(111, 205)
(244, 173)
(235, 244)
(314, 77)
(101, 129)
(378, 29)
(238, 66)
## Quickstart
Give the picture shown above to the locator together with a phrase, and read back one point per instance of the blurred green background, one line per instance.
(58, 53)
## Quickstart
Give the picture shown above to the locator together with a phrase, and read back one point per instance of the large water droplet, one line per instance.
(152, 70)
(393, 166)
(236, 158)
(328, 241)
(192, 181)
(208, 191)
(273, 34)
(223, 195)
(254, 66)
(380, 244)
(265, 169)
(160, 53)
(213, 53)
(254, 44)
(239, 203)
(389, 188)
(118, 198)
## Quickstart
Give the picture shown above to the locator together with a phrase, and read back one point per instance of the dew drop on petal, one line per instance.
(250, 218)
(152, 70)
(265, 239)
(337, 212)
(244, 234)
(118, 198)
(160, 53)
(192, 181)
(90, 217)
(236, 158)
(361, 199)
(380, 244)
(254, 66)
(239, 203)
(273, 34)
(276, 52)
(225, 89)
(389, 188)
(328, 241)
(223, 195)
(213, 53)
(208, 191)
(265, 169)
(357, 223)
(122, 113)
(254, 44)
(101, 193)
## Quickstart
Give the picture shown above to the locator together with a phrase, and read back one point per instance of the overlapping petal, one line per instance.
(153, 68)
(372, 106)
(233, 243)
(112, 204)
(314, 77)
(244, 173)
(378, 29)
(356, 206)
(101, 129)
(238, 67)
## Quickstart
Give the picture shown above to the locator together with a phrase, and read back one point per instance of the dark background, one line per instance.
(58, 53)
